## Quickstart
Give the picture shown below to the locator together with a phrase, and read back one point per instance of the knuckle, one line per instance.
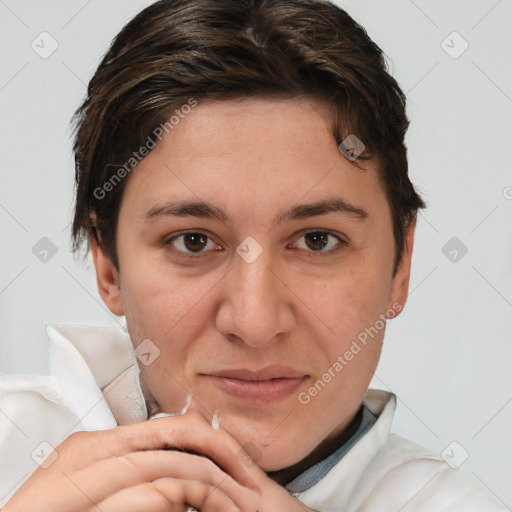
(168, 488)
(75, 438)
(129, 460)
(72, 445)
(152, 496)
(168, 437)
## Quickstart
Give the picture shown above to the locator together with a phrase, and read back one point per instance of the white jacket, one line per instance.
(94, 385)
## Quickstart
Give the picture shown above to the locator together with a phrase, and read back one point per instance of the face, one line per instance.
(258, 261)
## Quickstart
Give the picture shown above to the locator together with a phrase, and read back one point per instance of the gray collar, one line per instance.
(316, 472)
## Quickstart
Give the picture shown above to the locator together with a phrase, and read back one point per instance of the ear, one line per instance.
(401, 278)
(107, 278)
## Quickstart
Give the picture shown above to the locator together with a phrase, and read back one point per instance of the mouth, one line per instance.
(262, 386)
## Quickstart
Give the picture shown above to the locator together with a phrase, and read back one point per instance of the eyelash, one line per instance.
(190, 254)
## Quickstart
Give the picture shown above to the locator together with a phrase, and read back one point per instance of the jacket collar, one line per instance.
(98, 372)
(339, 484)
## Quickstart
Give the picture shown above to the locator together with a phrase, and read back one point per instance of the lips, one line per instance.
(260, 386)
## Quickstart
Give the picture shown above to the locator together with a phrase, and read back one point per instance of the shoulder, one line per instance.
(385, 472)
(38, 412)
(31, 404)
(408, 477)
(34, 419)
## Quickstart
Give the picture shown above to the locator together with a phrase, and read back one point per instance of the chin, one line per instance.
(270, 450)
(275, 461)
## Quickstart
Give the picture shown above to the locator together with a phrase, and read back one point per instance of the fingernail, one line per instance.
(215, 420)
(187, 405)
(168, 414)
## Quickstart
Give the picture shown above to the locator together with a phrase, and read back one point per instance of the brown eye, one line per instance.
(192, 243)
(317, 240)
(195, 242)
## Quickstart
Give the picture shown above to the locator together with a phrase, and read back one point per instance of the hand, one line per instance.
(270, 496)
(155, 466)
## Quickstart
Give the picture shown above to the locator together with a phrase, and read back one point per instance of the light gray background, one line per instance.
(448, 356)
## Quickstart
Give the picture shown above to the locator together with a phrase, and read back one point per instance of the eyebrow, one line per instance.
(200, 209)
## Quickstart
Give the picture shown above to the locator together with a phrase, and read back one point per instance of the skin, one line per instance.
(132, 468)
(254, 159)
(211, 310)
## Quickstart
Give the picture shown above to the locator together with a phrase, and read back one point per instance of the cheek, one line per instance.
(168, 312)
(158, 299)
(167, 308)
(355, 305)
(354, 308)
(351, 300)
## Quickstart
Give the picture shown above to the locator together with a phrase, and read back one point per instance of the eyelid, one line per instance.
(341, 236)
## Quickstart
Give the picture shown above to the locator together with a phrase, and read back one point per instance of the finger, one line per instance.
(202, 496)
(139, 467)
(189, 432)
(168, 495)
(139, 498)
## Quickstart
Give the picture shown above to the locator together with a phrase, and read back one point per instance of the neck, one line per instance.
(322, 451)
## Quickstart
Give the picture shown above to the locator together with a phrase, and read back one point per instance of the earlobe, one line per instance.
(107, 278)
(403, 273)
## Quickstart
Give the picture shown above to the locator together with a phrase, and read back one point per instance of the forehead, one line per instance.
(256, 153)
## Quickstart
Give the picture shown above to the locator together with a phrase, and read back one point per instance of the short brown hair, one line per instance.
(175, 50)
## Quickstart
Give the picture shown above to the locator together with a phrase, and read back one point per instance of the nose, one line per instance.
(257, 306)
